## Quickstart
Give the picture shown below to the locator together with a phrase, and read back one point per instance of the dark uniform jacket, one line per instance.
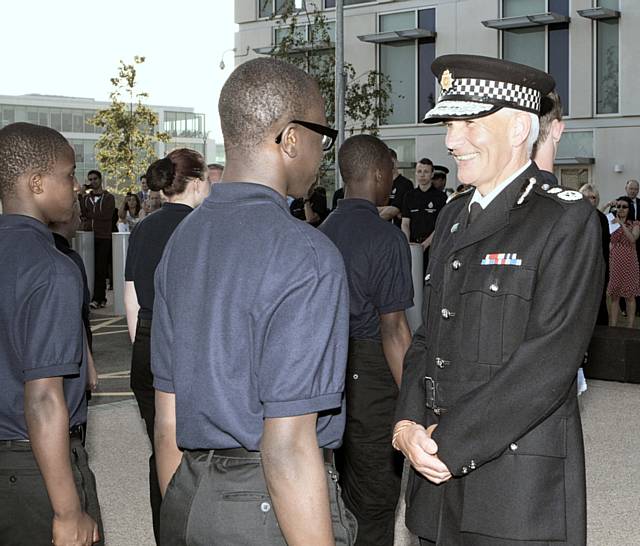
(509, 307)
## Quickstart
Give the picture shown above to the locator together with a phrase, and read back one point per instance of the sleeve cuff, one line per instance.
(163, 385)
(291, 408)
(57, 370)
(392, 308)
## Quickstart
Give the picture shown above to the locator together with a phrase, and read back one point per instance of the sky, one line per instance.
(73, 48)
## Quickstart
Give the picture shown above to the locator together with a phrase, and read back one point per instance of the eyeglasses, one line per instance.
(329, 135)
(623, 206)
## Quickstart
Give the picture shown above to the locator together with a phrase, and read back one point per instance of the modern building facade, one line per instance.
(589, 46)
(71, 116)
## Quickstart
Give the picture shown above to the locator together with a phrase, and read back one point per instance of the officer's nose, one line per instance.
(455, 135)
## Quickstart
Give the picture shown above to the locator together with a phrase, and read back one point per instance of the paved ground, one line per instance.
(119, 451)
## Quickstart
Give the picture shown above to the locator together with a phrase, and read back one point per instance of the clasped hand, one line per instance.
(421, 451)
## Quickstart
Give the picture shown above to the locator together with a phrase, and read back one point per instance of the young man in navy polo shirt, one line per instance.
(47, 491)
(249, 335)
(378, 263)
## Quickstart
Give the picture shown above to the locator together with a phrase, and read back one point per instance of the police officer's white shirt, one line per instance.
(485, 200)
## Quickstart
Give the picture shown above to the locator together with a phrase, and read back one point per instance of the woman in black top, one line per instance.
(181, 177)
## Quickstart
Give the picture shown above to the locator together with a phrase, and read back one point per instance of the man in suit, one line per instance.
(487, 414)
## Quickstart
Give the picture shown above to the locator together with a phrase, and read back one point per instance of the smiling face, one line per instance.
(482, 150)
(632, 189)
(623, 210)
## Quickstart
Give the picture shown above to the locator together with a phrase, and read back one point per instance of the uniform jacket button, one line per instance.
(494, 287)
(513, 446)
(472, 465)
(456, 264)
(446, 313)
(355, 376)
(465, 470)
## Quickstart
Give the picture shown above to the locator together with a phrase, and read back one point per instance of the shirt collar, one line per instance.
(353, 203)
(229, 192)
(485, 200)
(22, 221)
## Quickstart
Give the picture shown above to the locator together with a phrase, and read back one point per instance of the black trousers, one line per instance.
(102, 253)
(222, 500)
(370, 469)
(26, 515)
(142, 387)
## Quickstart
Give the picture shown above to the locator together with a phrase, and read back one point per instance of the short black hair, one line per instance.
(425, 161)
(258, 94)
(94, 171)
(25, 148)
(359, 154)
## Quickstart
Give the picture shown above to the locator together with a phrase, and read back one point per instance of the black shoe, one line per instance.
(94, 305)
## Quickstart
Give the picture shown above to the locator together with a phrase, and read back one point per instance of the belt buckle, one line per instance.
(431, 391)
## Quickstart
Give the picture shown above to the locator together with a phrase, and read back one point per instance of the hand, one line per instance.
(77, 529)
(418, 447)
(426, 243)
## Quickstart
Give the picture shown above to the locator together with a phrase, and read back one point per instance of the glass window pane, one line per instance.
(78, 122)
(525, 46)
(575, 144)
(56, 120)
(398, 62)
(66, 121)
(398, 21)
(611, 4)
(32, 116)
(43, 118)
(329, 3)
(88, 128)
(515, 8)
(406, 150)
(265, 8)
(607, 58)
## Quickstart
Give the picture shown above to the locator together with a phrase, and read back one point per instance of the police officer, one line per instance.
(249, 335)
(401, 186)
(488, 406)
(47, 490)
(378, 263)
(420, 208)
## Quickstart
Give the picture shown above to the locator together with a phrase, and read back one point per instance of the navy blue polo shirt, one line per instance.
(378, 263)
(250, 321)
(41, 330)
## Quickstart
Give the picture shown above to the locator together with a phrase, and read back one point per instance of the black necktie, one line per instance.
(475, 211)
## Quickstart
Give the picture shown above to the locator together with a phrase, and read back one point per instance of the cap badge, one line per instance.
(446, 80)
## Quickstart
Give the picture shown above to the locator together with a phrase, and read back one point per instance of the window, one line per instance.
(312, 61)
(406, 150)
(268, 8)
(408, 66)
(543, 47)
(7, 115)
(66, 121)
(78, 122)
(607, 61)
(56, 120)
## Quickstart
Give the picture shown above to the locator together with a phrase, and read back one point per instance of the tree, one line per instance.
(306, 42)
(126, 146)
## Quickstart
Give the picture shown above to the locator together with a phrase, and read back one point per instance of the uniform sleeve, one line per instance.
(161, 336)
(302, 366)
(51, 333)
(406, 206)
(539, 375)
(392, 284)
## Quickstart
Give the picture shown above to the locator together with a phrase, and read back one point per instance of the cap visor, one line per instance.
(458, 109)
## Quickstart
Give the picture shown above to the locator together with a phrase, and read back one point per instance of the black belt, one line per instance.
(242, 453)
(78, 432)
(145, 323)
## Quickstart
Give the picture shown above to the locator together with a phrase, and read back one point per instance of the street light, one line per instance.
(234, 49)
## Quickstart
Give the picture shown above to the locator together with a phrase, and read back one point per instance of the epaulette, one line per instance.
(558, 193)
(457, 195)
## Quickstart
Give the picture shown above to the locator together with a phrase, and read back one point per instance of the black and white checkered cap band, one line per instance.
(490, 90)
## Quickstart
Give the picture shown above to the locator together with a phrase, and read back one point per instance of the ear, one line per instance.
(557, 128)
(35, 184)
(520, 127)
(289, 141)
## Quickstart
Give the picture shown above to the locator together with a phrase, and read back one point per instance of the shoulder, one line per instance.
(321, 254)
(561, 198)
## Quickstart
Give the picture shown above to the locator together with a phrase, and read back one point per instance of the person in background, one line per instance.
(315, 206)
(181, 177)
(592, 194)
(551, 129)
(48, 492)
(420, 209)
(153, 202)
(401, 186)
(99, 209)
(624, 273)
(130, 213)
(439, 177)
(143, 194)
(378, 263)
(214, 172)
(631, 189)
